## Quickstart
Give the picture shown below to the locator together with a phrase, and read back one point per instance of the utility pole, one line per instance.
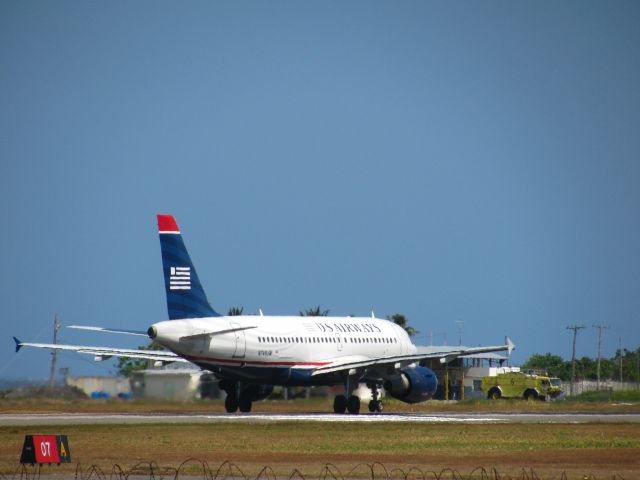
(460, 324)
(600, 327)
(620, 348)
(638, 368)
(54, 353)
(575, 329)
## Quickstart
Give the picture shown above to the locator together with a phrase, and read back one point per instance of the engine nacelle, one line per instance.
(412, 385)
(257, 392)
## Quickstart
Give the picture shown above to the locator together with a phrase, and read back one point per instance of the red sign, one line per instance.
(46, 449)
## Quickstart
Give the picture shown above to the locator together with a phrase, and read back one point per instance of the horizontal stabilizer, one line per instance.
(18, 344)
(108, 330)
(105, 352)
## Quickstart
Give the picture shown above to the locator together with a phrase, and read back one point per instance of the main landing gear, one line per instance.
(237, 399)
(234, 403)
(342, 404)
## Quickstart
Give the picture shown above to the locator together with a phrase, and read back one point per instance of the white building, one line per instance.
(113, 386)
(167, 384)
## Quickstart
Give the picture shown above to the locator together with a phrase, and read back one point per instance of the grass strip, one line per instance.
(309, 445)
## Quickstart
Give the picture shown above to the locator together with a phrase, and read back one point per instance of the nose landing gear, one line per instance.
(375, 405)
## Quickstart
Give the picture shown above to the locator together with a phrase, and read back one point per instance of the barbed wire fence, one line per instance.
(227, 470)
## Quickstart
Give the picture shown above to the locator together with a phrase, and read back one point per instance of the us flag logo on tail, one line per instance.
(180, 278)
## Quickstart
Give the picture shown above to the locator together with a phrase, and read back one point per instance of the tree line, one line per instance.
(587, 367)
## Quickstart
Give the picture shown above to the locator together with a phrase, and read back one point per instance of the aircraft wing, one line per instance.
(445, 354)
(104, 353)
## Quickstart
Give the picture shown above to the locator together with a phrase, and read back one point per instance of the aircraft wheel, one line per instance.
(353, 404)
(244, 404)
(340, 404)
(231, 403)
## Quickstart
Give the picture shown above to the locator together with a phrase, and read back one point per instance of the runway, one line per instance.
(261, 418)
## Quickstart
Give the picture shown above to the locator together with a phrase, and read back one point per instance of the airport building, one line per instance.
(462, 378)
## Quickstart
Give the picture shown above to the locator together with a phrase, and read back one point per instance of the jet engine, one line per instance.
(412, 385)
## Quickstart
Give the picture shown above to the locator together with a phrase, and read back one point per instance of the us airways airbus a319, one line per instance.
(250, 354)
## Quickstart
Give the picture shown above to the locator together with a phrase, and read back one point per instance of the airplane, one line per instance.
(250, 354)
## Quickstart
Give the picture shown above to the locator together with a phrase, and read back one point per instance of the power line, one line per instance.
(575, 329)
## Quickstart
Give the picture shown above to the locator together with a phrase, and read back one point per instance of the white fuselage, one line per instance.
(275, 343)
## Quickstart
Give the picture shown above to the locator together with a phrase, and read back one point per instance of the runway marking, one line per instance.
(83, 419)
(261, 418)
(353, 418)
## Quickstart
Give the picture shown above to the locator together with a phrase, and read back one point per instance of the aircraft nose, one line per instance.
(152, 332)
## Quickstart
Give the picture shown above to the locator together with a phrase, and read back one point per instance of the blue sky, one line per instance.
(447, 160)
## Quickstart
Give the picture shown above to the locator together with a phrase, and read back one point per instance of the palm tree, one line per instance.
(400, 319)
(235, 311)
(314, 312)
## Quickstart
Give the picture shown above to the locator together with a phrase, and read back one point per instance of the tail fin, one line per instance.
(185, 296)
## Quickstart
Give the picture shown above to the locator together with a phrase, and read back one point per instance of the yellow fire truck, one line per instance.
(529, 386)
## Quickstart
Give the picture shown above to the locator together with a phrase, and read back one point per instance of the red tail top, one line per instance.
(167, 224)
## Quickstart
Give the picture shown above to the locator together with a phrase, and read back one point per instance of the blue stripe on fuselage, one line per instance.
(294, 377)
